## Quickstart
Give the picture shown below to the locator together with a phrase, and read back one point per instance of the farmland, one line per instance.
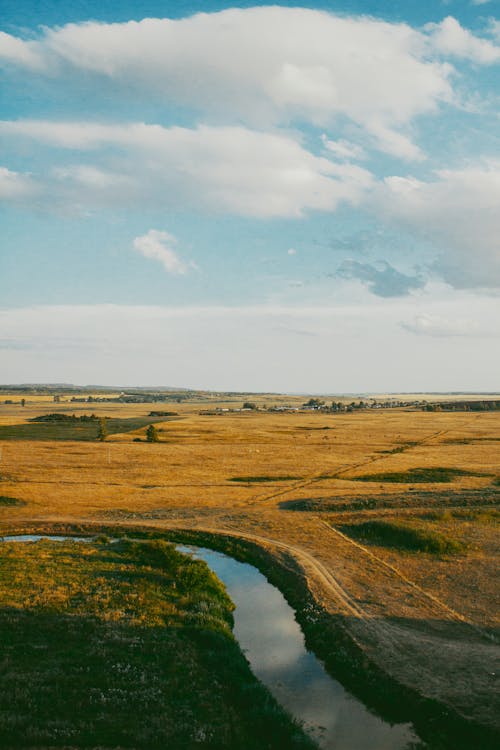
(389, 519)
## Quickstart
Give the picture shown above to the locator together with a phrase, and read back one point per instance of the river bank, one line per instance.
(330, 637)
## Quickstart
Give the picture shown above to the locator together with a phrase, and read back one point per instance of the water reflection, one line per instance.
(273, 642)
(38, 537)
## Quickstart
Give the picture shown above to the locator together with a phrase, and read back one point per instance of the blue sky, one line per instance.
(298, 197)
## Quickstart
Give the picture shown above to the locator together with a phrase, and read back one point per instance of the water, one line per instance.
(266, 629)
(274, 644)
(37, 537)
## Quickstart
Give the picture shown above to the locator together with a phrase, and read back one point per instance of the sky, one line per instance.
(299, 197)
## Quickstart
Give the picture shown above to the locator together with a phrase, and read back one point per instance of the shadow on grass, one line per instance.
(333, 639)
(436, 474)
(79, 682)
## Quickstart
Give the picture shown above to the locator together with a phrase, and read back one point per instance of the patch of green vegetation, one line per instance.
(251, 480)
(403, 536)
(77, 429)
(125, 645)
(62, 418)
(413, 476)
(5, 500)
(478, 515)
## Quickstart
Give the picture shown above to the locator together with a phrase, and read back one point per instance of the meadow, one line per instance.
(389, 518)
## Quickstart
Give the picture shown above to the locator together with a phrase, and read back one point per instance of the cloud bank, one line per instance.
(267, 66)
(217, 169)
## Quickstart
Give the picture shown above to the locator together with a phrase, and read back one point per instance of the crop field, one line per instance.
(391, 515)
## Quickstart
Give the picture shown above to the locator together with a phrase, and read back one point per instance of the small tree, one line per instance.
(102, 433)
(152, 434)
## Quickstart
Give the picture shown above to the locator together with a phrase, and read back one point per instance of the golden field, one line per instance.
(291, 481)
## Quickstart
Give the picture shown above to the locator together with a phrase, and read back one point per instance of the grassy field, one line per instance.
(294, 479)
(125, 645)
(72, 430)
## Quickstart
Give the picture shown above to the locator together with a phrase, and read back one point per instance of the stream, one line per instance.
(272, 641)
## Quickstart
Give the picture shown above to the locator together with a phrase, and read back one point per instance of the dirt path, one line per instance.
(403, 629)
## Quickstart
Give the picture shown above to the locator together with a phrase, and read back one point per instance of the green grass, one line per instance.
(417, 475)
(71, 429)
(403, 536)
(251, 480)
(125, 645)
(478, 515)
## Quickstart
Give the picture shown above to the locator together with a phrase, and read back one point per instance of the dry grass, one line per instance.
(186, 479)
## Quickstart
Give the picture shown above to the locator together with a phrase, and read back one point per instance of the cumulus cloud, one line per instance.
(450, 38)
(263, 66)
(218, 169)
(458, 212)
(159, 245)
(19, 52)
(384, 281)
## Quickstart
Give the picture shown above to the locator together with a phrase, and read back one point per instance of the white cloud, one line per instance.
(458, 211)
(159, 245)
(395, 143)
(343, 149)
(91, 177)
(253, 348)
(15, 186)
(262, 66)
(291, 251)
(439, 326)
(450, 38)
(480, 2)
(19, 52)
(218, 169)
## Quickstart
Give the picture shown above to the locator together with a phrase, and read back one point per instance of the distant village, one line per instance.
(311, 405)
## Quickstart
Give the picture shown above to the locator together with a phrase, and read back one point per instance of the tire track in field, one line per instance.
(340, 471)
(379, 561)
